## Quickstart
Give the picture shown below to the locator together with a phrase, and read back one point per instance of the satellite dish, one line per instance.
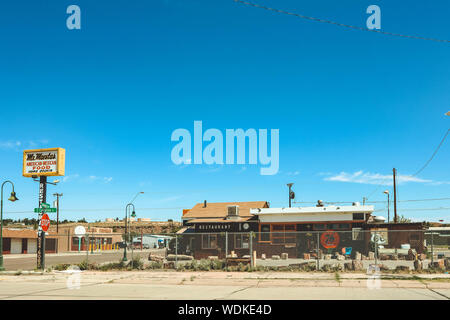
(80, 231)
(379, 219)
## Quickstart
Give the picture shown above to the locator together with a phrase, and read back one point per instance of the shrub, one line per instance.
(155, 265)
(83, 265)
(136, 264)
(61, 267)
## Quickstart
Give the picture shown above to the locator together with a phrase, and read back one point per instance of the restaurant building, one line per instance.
(215, 229)
(220, 229)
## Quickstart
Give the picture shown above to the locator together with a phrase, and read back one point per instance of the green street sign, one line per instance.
(39, 210)
(45, 205)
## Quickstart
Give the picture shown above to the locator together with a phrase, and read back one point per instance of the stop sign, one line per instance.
(45, 222)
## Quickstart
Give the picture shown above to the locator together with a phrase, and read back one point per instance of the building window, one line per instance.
(358, 216)
(209, 241)
(339, 226)
(283, 233)
(319, 226)
(265, 232)
(241, 241)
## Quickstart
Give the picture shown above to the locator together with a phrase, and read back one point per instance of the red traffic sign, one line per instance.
(329, 239)
(45, 222)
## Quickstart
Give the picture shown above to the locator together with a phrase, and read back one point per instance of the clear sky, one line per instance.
(350, 105)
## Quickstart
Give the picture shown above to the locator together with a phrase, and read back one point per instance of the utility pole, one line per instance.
(57, 195)
(394, 173)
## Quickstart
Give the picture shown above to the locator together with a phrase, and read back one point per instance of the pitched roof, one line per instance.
(219, 209)
(224, 220)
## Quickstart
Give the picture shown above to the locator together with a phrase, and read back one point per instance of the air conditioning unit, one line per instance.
(233, 212)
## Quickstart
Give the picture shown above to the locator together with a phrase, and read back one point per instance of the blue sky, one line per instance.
(350, 105)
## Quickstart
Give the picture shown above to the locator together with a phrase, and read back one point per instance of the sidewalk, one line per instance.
(221, 285)
(62, 254)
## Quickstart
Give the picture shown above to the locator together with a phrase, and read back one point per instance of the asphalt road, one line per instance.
(28, 261)
(216, 285)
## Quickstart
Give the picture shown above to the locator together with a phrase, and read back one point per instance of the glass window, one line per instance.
(278, 227)
(265, 232)
(319, 226)
(358, 216)
(209, 241)
(344, 226)
(284, 233)
(241, 241)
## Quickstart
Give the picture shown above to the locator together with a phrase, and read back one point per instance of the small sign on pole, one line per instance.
(45, 222)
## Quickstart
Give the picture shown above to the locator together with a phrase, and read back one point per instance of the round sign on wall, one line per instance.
(80, 231)
(329, 239)
(45, 222)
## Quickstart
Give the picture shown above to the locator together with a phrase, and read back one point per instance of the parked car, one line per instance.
(121, 244)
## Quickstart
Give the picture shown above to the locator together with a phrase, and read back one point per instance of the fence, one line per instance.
(316, 250)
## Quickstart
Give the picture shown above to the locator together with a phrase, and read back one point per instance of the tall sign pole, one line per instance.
(43, 163)
(41, 233)
(394, 173)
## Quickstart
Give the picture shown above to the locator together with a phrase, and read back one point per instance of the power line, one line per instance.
(380, 201)
(417, 209)
(432, 156)
(97, 210)
(337, 23)
(420, 170)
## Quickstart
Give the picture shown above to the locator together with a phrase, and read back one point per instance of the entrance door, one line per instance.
(16, 245)
(24, 245)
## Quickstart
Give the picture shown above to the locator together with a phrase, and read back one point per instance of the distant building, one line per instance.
(99, 238)
(151, 241)
(17, 240)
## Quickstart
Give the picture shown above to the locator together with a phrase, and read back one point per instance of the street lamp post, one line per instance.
(387, 192)
(12, 198)
(291, 193)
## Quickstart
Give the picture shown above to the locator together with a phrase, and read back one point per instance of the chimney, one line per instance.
(204, 204)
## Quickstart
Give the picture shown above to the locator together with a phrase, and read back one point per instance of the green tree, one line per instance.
(403, 219)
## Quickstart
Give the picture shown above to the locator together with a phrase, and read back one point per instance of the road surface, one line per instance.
(28, 261)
